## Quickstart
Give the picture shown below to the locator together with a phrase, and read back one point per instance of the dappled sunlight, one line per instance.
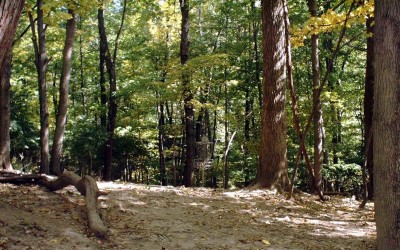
(245, 219)
(152, 217)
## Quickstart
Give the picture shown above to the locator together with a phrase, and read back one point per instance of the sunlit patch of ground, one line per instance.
(154, 217)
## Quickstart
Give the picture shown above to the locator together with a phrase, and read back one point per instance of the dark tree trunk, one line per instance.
(10, 11)
(386, 124)
(188, 97)
(257, 58)
(368, 106)
(41, 68)
(103, 92)
(272, 169)
(226, 126)
(44, 112)
(112, 97)
(5, 75)
(317, 119)
(61, 119)
(81, 66)
(161, 123)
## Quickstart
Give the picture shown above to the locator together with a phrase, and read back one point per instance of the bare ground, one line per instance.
(152, 217)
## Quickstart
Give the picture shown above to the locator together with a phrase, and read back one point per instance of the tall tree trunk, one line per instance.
(41, 68)
(188, 97)
(82, 79)
(256, 57)
(386, 124)
(10, 11)
(368, 106)
(44, 112)
(272, 169)
(317, 119)
(103, 92)
(112, 98)
(5, 75)
(61, 119)
(161, 124)
(226, 127)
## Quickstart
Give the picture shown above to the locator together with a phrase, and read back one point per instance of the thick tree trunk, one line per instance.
(61, 119)
(386, 124)
(10, 11)
(5, 75)
(272, 169)
(188, 97)
(317, 119)
(368, 106)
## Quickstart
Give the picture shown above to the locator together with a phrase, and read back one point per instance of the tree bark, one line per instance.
(317, 119)
(190, 134)
(41, 68)
(104, 50)
(257, 80)
(10, 11)
(161, 153)
(103, 93)
(44, 112)
(296, 120)
(272, 169)
(5, 75)
(81, 68)
(112, 97)
(368, 106)
(61, 118)
(386, 125)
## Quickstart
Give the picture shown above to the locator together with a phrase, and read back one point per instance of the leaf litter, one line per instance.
(155, 217)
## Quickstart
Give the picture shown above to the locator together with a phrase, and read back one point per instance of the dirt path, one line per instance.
(150, 217)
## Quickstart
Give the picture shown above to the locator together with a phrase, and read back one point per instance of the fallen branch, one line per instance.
(86, 186)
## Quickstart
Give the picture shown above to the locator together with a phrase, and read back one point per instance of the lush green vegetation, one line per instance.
(225, 77)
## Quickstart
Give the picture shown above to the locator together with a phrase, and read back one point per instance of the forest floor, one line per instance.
(153, 217)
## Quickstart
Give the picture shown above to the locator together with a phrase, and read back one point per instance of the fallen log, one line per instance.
(86, 186)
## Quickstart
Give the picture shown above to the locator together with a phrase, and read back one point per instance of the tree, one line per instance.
(61, 118)
(272, 169)
(368, 105)
(41, 62)
(105, 56)
(188, 97)
(386, 124)
(317, 115)
(10, 12)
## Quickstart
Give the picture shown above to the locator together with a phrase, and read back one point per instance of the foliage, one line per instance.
(225, 70)
(345, 178)
(333, 20)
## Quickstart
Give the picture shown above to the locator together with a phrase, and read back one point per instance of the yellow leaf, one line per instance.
(266, 242)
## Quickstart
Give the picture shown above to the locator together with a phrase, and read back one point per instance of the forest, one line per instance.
(239, 102)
